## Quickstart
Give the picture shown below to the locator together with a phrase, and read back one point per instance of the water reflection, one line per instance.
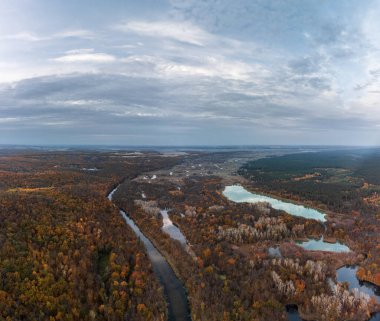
(292, 312)
(239, 194)
(178, 307)
(274, 252)
(345, 274)
(169, 228)
(348, 274)
(320, 245)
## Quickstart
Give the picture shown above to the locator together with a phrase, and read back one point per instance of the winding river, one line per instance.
(178, 306)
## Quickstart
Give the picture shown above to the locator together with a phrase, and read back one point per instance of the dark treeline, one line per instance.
(334, 180)
(344, 182)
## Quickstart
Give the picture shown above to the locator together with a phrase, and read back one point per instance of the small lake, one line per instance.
(348, 274)
(274, 252)
(292, 312)
(320, 245)
(173, 231)
(239, 194)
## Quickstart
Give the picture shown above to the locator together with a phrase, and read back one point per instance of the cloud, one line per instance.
(187, 99)
(84, 34)
(24, 36)
(252, 69)
(33, 37)
(208, 66)
(78, 57)
(166, 110)
(179, 31)
(306, 65)
(8, 119)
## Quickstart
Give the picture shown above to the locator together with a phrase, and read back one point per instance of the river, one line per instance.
(178, 305)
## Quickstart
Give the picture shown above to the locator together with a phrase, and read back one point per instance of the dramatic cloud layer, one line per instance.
(190, 72)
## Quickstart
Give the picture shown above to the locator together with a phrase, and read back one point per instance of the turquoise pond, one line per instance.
(239, 194)
(320, 245)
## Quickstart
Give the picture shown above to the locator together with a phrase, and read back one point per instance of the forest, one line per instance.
(336, 180)
(67, 254)
(230, 274)
(345, 183)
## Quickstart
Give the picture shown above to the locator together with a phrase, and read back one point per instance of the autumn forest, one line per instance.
(67, 253)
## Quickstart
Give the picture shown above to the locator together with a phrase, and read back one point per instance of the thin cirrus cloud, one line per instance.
(33, 37)
(84, 56)
(182, 32)
(209, 66)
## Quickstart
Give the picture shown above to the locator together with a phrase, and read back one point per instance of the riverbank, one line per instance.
(175, 293)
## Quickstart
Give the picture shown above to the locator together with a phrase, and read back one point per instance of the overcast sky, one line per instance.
(201, 72)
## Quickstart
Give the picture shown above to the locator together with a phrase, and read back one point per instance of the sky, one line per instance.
(194, 72)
